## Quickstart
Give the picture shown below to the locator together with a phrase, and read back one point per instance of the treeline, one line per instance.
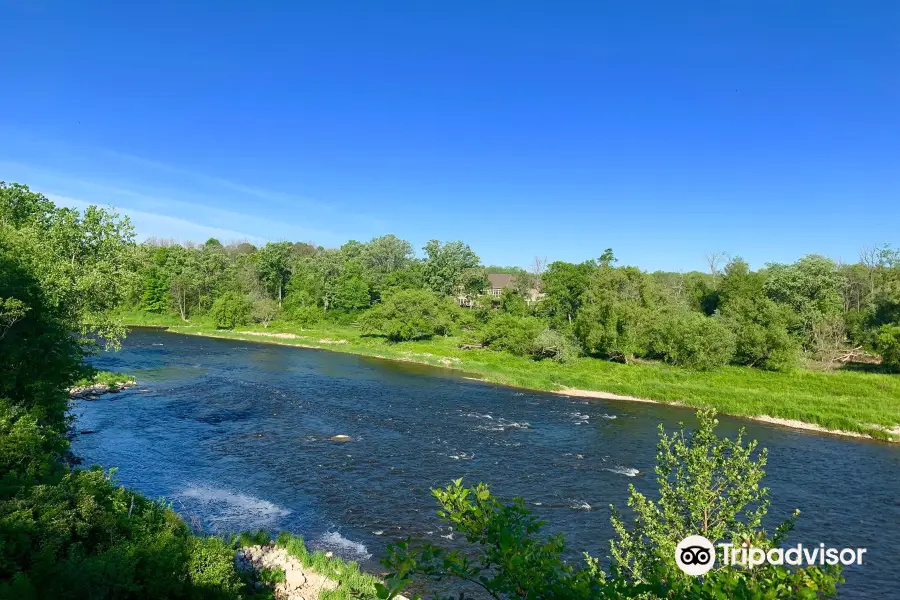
(813, 309)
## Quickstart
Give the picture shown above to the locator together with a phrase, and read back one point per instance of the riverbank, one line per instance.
(841, 402)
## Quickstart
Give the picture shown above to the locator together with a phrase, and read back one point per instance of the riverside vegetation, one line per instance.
(73, 533)
(813, 341)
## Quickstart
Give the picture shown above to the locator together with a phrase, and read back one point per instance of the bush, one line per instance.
(306, 316)
(211, 569)
(514, 334)
(887, 344)
(265, 310)
(707, 486)
(761, 331)
(230, 311)
(407, 315)
(617, 330)
(691, 339)
(555, 346)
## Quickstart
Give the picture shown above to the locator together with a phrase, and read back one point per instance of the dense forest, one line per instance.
(65, 277)
(814, 312)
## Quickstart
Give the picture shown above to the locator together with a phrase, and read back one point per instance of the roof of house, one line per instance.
(501, 280)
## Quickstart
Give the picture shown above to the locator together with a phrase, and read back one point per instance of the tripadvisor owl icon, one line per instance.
(695, 555)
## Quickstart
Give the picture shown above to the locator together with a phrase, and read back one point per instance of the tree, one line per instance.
(386, 255)
(617, 310)
(511, 333)
(231, 310)
(811, 286)
(407, 315)
(887, 344)
(690, 339)
(564, 284)
(452, 268)
(761, 326)
(273, 264)
(264, 311)
(83, 260)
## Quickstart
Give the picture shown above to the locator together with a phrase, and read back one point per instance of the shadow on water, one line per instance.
(236, 436)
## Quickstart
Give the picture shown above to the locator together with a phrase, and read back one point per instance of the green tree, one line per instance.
(407, 315)
(511, 333)
(273, 265)
(452, 268)
(761, 326)
(811, 287)
(887, 344)
(690, 339)
(617, 311)
(231, 310)
(564, 285)
(384, 256)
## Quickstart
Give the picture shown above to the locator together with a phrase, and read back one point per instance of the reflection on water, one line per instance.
(235, 436)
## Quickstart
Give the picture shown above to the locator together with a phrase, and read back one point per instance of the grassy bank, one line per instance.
(849, 401)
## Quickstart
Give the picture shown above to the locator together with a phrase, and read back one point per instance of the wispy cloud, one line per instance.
(136, 185)
(174, 228)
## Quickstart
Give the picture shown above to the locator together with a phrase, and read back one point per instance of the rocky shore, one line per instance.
(95, 390)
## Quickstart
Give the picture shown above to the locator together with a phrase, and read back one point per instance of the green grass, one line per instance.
(139, 318)
(841, 400)
(352, 583)
(109, 378)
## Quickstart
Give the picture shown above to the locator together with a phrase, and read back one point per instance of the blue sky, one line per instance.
(665, 130)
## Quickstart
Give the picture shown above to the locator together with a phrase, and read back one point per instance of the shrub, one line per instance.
(230, 311)
(556, 346)
(707, 486)
(511, 302)
(211, 569)
(617, 330)
(691, 339)
(264, 311)
(761, 332)
(514, 334)
(407, 315)
(306, 316)
(887, 344)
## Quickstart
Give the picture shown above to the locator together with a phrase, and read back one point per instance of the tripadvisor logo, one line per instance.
(696, 555)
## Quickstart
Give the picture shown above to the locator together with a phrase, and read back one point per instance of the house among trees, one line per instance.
(496, 283)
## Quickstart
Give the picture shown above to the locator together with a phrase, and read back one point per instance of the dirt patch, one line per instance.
(330, 341)
(603, 396)
(284, 336)
(300, 583)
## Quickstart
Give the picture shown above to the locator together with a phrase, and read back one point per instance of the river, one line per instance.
(235, 435)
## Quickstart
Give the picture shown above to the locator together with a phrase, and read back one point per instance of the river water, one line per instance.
(235, 436)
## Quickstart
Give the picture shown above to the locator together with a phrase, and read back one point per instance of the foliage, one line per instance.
(811, 287)
(555, 346)
(513, 303)
(691, 339)
(231, 310)
(512, 334)
(452, 268)
(73, 533)
(408, 315)
(264, 311)
(707, 486)
(887, 344)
